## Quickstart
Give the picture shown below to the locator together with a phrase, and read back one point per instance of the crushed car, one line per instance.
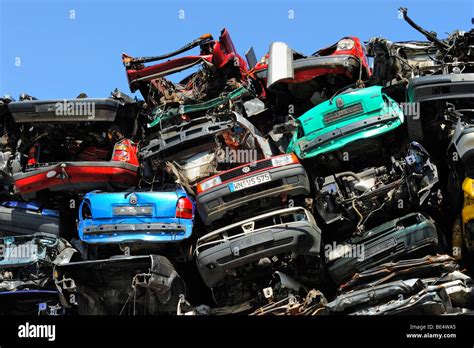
(74, 144)
(347, 130)
(136, 218)
(202, 147)
(460, 181)
(432, 285)
(300, 81)
(231, 258)
(222, 78)
(253, 187)
(26, 273)
(125, 285)
(449, 80)
(407, 237)
(353, 201)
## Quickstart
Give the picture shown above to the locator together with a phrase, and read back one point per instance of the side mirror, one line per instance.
(280, 63)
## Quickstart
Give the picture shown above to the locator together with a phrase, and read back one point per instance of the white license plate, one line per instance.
(253, 181)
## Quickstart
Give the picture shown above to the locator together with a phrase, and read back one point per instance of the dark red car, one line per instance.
(304, 81)
(218, 57)
(346, 57)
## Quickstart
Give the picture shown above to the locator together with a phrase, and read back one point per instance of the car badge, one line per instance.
(246, 169)
(133, 199)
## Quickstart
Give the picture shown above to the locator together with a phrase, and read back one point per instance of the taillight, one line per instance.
(125, 151)
(184, 208)
(32, 154)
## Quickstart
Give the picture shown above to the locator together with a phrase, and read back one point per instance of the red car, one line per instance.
(295, 79)
(214, 54)
(120, 172)
(73, 145)
(346, 57)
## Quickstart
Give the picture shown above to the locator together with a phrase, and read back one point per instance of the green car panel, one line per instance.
(331, 125)
(162, 115)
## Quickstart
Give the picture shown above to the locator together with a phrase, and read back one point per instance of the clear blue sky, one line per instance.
(61, 57)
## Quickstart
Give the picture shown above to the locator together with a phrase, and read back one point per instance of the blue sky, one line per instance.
(61, 56)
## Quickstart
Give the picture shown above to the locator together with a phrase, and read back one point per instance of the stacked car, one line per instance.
(297, 184)
(266, 225)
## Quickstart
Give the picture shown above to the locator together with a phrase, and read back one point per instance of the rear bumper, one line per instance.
(216, 257)
(214, 203)
(72, 176)
(153, 231)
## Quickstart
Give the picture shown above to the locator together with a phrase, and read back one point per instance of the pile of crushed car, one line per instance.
(293, 185)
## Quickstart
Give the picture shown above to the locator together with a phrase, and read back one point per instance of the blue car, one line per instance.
(121, 217)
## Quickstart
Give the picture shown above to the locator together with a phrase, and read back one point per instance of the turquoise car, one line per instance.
(348, 117)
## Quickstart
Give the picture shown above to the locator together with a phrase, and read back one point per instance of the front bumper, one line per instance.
(214, 203)
(217, 253)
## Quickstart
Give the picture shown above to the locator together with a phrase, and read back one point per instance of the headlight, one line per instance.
(127, 210)
(284, 160)
(345, 44)
(207, 184)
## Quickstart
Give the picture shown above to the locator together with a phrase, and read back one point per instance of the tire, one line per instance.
(19, 221)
